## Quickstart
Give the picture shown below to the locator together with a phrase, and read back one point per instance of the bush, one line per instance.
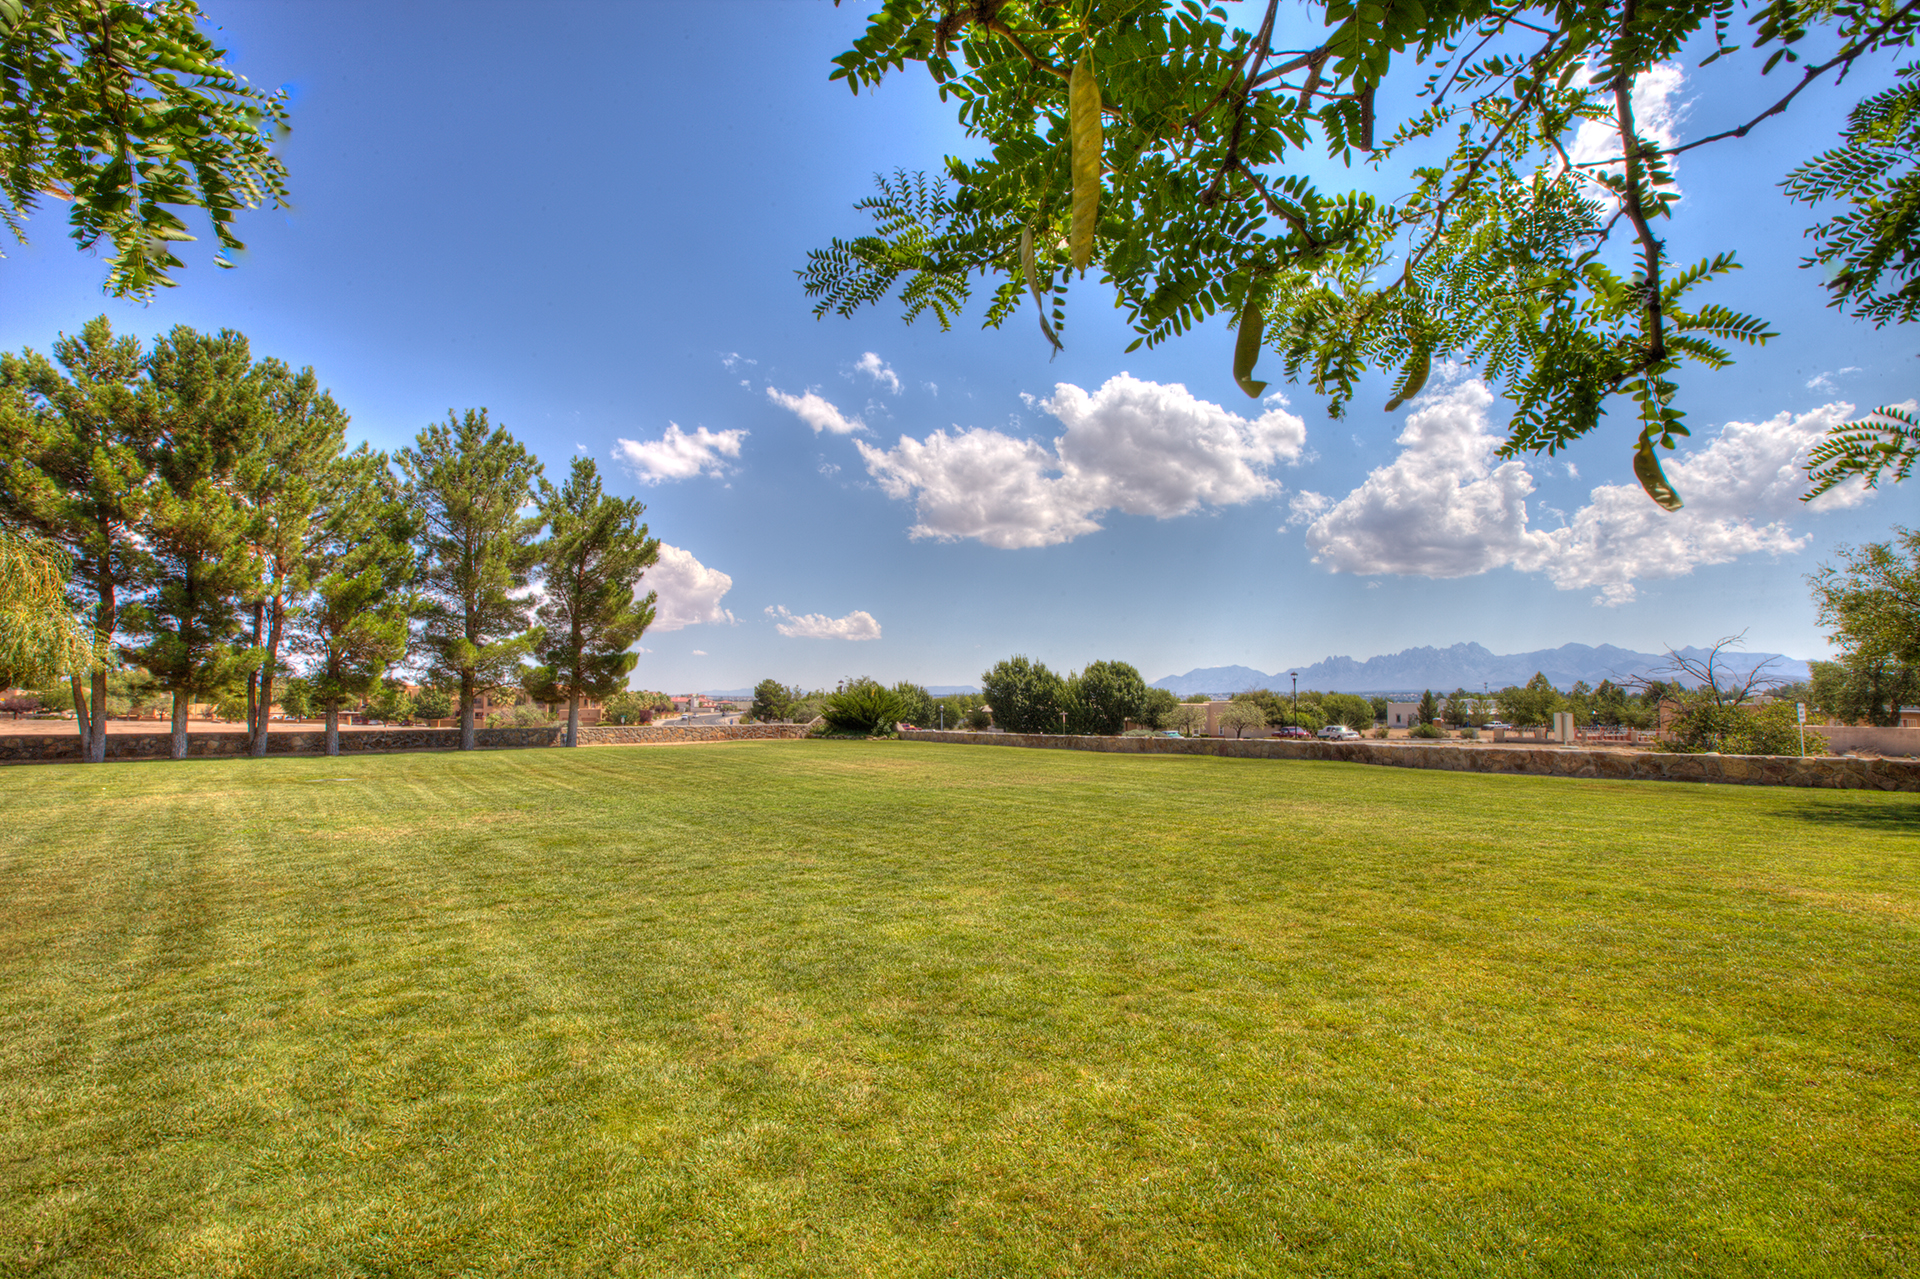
(1739, 730)
(525, 715)
(433, 703)
(1025, 696)
(866, 708)
(1425, 730)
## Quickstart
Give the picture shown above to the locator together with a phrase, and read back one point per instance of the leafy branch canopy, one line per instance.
(1493, 252)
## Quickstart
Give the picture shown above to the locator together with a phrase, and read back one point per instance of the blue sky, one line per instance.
(589, 223)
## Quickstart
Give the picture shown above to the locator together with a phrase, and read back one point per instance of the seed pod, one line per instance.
(1033, 284)
(1083, 122)
(1412, 378)
(1646, 469)
(1246, 346)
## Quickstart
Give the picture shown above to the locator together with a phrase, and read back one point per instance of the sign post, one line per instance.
(1800, 712)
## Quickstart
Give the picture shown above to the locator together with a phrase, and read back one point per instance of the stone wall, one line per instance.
(54, 747)
(1749, 770)
(631, 734)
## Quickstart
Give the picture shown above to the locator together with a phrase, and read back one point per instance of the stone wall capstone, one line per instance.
(635, 734)
(55, 747)
(1745, 770)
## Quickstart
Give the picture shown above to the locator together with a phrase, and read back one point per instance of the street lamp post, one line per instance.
(1293, 709)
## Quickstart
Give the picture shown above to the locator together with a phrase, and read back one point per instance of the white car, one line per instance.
(1338, 733)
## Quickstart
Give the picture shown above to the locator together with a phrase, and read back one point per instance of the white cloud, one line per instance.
(876, 368)
(731, 358)
(1656, 117)
(1446, 507)
(857, 625)
(1306, 507)
(816, 412)
(690, 592)
(1824, 382)
(679, 456)
(1139, 447)
(699, 652)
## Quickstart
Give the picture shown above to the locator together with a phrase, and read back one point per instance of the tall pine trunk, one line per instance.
(268, 664)
(97, 725)
(573, 718)
(333, 728)
(466, 710)
(105, 618)
(182, 704)
(82, 718)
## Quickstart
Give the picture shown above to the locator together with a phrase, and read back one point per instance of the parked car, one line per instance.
(1292, 730)
(1338, 733)
(1171, 732)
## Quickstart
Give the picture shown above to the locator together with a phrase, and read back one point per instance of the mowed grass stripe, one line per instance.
(879, 1008)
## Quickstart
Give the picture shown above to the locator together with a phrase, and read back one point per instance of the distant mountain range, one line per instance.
(1464, 666)
(746, 694)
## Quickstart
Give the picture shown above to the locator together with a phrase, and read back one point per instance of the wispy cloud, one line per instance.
(816, 412)
(679, 456)
(876, 368)
(857, 625)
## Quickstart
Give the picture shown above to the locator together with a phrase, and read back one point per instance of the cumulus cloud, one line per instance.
(679, 456)
(1447, 507)
(816, 412)
(690, 592)
(857, 625)
(1306, 507)
(1142, 448)
(876, 368)
(1824, 382)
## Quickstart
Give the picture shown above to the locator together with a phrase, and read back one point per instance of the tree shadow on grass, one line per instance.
(1895, 817)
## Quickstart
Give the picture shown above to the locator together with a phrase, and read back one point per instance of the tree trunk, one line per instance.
(182, 703)
(83, 719)
(105, 618)
(275, 626)
(573, 718)
(466, 710)
(333, 728)
(97, 722)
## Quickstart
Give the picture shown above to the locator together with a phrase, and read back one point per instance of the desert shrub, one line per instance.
(525, 715)
(1739, 730)
(1425, 730)
(865, 708)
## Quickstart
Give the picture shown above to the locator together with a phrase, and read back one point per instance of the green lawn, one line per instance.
(873, 1009)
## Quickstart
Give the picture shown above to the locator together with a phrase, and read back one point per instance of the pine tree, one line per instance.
(468, 483)
(290, 478)
(594, 556)
(353, 626)
(73, 470)
(202, 411)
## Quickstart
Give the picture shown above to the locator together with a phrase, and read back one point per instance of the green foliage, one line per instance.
(433, 703)
(127, 112)
(1871, 601)
(1189, 718)
(1496, 247)
(916, 705)
(1887, 439)
(521, 715)
(1863, 692)
(1771, 729)
(1429, 709)
(352, 626)
(390, 702)
(591, 614)
(1873, 173)
(629, 707)
(1347, 708)
(1156, 706)
(203, 418)
(296, 698)
(1025, 696)
(1105, 697)
(1532, 705)
(1426, 729)
(1237, 717)
(773, 701)
(468, 482)
(40, 638)
(865, 708)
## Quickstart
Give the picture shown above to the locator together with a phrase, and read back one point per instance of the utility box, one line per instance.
(1563, 731)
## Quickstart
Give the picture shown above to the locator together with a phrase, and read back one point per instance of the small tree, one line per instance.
(1429, 708)
(1188, 718)
(391, 702)
(1105, 697)
(1240, 716)
(433, 703)
(1346, 708)
(772, 701)
(1026, 697)
(592, 615)
(469, 483)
